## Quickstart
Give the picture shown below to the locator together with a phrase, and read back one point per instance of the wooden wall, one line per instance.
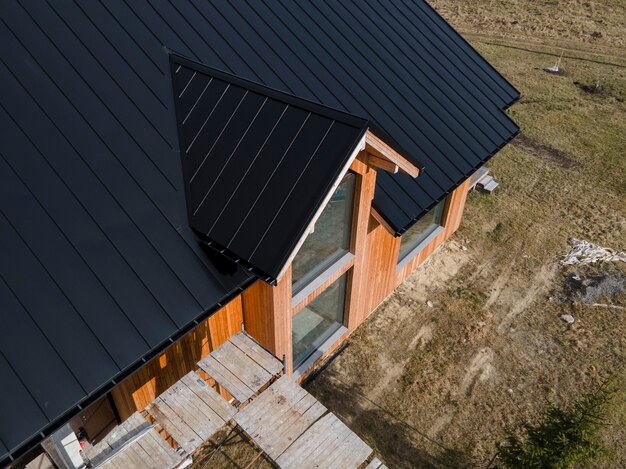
(267, 316)
(383, 250)
(139, 389)
(267, 311)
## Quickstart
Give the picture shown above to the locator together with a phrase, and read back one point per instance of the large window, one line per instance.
(418, 233)
(330, 238)
(318, 321)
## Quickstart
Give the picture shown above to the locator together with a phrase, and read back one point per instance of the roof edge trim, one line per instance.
(177, 59)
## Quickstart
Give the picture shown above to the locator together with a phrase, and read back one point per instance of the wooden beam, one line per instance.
(379, 149)
(383, 163)
(379, 218)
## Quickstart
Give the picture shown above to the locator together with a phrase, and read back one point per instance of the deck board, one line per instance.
(191, 411)
(276, 418)
(148, 451)
(327, 443)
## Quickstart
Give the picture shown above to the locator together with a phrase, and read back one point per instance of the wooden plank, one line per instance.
(328, 443)
(225, 378)
(257, 353)
(191, 415)
(350, 453)
(325, 451)
(116, 438)
(163, 455)
(291, 427)
(279, 416)
(383, 164)
(184, 435)
(209, 396)
(377, 147)
(374, 464)
(243, 367)
(302, 449)
(275, 400)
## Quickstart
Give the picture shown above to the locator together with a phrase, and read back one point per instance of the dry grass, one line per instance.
(588, 24)
(455, 377)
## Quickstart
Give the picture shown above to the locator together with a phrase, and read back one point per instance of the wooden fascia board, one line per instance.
(379, 149)
(380, 219)
(359, 148)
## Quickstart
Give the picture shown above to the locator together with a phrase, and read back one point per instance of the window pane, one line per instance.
(331, 238)
(317, 321)
(420, 231)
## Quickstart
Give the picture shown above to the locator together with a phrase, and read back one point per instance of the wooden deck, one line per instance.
(149, 450)
(328, 443)
(288, 424)
(133, 443)
(295, 430)
(191, 411)
(241, 366)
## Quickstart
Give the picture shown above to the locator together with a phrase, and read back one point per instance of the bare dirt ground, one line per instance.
(440, 386)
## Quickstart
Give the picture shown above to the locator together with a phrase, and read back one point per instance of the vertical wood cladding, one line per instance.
(139, 389)
(266, 310)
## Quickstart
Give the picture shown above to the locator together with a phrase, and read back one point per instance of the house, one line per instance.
(173, 171)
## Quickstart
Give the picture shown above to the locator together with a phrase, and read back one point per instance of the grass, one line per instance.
(493, 349)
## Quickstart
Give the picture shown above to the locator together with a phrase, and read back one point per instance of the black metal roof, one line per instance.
(258, 163)
(99, 267)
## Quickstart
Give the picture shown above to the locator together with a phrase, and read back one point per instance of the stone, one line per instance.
(568, 318)
(430, 304)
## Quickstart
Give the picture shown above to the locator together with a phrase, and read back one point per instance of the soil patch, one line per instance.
(544, 152)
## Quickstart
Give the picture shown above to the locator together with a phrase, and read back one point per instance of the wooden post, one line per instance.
(267, 316)
(356, 304)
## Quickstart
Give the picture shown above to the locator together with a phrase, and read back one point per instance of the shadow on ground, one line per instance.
(396, 443)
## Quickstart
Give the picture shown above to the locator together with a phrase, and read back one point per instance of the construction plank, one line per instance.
(239, 364)
(374, 464)
(272, 401)
(172, 424)
(308, 443)
(162, 453)
(194, 411)
(257, 353)
(209, 396)
(279, 416)
(328, 443)
(226, 378)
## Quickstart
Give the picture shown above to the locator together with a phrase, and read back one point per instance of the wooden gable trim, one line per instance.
(380, 219)
(379, 150)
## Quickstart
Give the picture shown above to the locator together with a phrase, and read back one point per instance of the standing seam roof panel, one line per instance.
(264, 228)
(96, 107)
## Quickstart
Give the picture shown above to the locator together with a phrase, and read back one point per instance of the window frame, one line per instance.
(312, 280)
(434, 232)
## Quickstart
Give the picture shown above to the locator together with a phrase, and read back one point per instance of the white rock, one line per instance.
(464, 248)
(429, 304)
(568, 318)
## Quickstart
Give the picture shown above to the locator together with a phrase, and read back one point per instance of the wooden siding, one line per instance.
(267, 311)
(267, 316)
(141, 388)
(453, 213)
